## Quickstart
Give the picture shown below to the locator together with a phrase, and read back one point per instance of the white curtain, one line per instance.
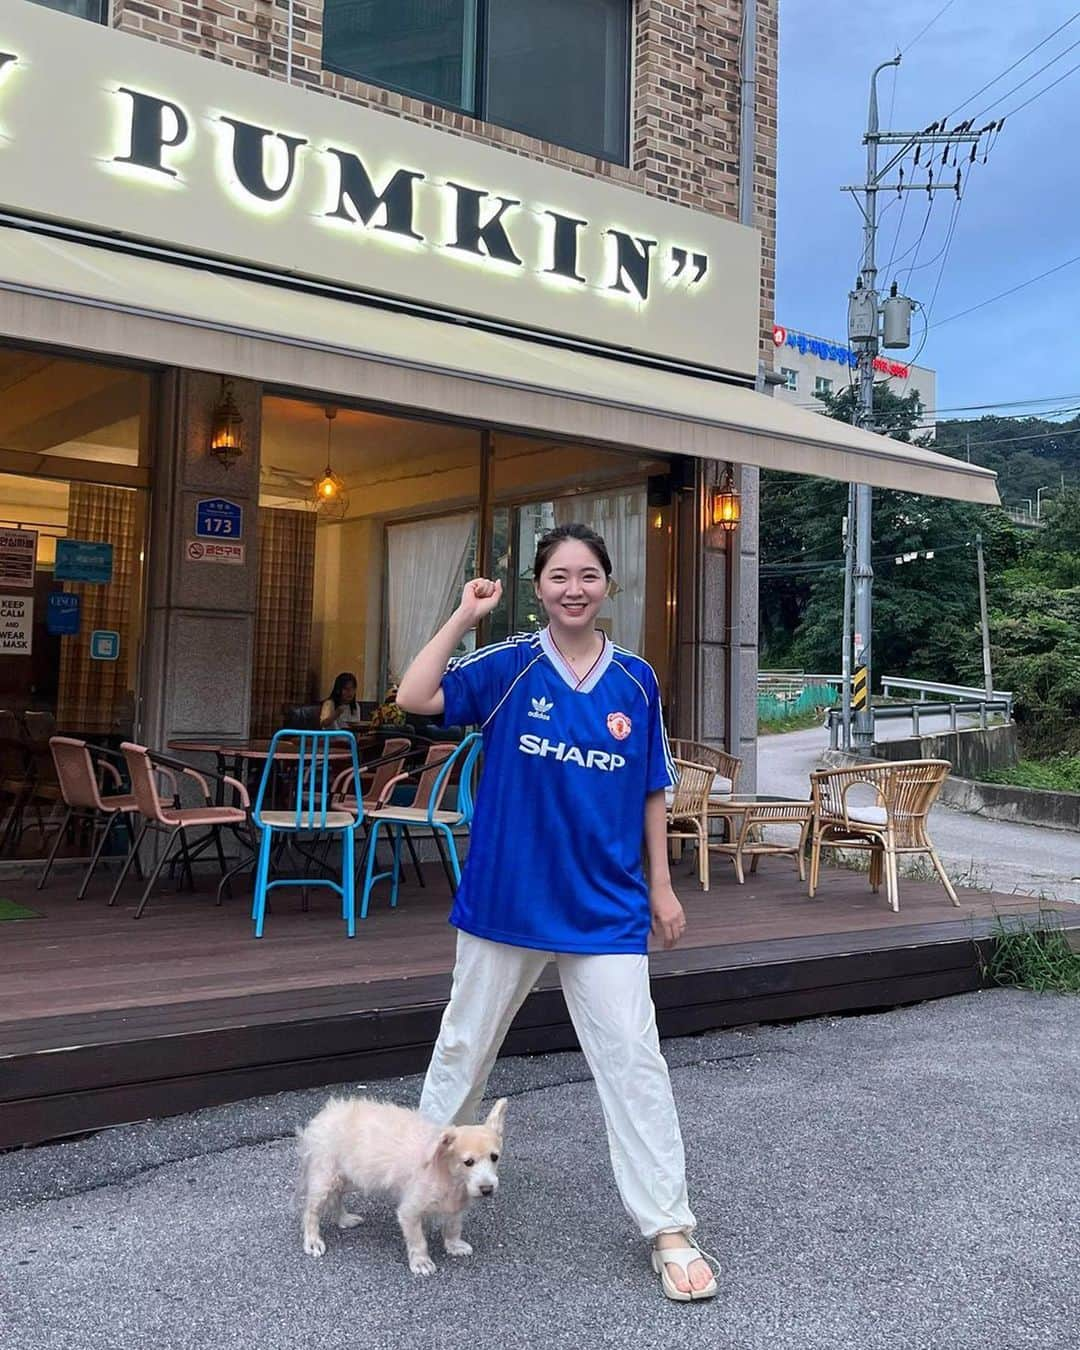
(621, 518)
(426, 562)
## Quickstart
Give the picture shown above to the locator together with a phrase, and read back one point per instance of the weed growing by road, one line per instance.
(1033, 954)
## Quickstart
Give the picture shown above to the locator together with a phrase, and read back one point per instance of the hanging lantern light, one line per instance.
(725, 506)
(329, 497)
(226, 427)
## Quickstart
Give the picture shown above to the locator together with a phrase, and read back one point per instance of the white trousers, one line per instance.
(612, 1012)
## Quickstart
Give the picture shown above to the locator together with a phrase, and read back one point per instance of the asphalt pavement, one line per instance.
(991, 855)
(905, 1180)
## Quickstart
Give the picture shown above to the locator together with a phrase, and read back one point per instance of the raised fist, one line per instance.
(479, 598)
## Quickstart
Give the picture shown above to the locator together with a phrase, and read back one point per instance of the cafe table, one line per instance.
(747, 815)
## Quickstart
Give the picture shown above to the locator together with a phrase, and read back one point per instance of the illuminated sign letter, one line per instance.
(248, 159)
(148, 138)
(355, 186)
(633, 257)
(564, 248)
(491, 234)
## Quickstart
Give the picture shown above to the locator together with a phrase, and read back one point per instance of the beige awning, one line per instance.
(95, 300)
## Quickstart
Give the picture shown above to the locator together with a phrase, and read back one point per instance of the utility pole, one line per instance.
(845, 661)
(866, 332)
(988, 678)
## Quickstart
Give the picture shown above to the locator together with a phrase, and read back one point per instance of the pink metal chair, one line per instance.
(175, 820)
(388, 769)
(389, 765)
(445, 764)
(80, 789)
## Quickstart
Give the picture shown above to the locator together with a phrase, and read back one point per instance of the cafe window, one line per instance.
(97, 11)
(558, 71)
(73, 509)
(356, 584)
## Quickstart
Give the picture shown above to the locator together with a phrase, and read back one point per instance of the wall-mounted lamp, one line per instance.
(725, 506)
(226, 427)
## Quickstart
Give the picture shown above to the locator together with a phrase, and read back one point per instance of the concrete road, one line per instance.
(989, 854)
(898, 1182)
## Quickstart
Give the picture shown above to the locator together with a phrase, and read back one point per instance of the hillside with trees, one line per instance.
(926, 612)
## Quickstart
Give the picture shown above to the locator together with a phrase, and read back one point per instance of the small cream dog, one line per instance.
(357, 1144)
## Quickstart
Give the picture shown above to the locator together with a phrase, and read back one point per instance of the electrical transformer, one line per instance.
(897, 326)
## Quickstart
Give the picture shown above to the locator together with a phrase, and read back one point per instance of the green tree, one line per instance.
(925, 613)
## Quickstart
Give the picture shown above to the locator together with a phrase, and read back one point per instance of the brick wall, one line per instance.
(685, 131)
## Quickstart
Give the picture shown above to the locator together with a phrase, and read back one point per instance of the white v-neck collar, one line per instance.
(595, 675)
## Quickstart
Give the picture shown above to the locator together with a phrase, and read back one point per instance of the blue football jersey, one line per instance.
(555, 854)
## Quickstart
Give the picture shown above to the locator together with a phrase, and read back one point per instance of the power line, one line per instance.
(1008, 69)
(948, 5)
(1066, 400)
(1011, 291)
(918, 242)
(1013, 111)
(929, 309)
(1002, 97)
(1015, 440)
(814, 567)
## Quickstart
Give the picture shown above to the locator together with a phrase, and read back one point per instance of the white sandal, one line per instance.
(683, 1257)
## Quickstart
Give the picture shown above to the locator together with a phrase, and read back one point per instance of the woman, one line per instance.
(576, 763)
(340, 711)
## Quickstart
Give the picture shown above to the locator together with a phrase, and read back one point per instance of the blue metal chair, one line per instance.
(443, 762)
(316, 766)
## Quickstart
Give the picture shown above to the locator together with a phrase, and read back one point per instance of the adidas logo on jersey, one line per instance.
(541, 708)
(569, 754)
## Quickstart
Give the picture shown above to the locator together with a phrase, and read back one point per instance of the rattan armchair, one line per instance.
(687, 811)
(893, 824)
(725, 767)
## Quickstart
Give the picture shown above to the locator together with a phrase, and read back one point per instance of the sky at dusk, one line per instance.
(1018, 216)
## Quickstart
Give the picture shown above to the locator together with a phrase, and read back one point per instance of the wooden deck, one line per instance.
(105, 1020)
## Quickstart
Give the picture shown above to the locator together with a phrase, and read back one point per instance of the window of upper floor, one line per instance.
(822, 385)
(791, 378)
(559, 71)
(97, 11)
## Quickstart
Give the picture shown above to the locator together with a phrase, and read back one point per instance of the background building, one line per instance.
(814, 366)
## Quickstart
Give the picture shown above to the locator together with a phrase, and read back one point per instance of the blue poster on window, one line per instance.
(81, 560)
(218, 518)
(62, 614)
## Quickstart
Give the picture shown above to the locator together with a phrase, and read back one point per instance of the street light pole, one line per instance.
(1038, 499)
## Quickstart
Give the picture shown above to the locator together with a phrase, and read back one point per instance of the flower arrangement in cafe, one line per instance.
(388, 714)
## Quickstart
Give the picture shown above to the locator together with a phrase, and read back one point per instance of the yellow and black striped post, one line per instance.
(859, 698)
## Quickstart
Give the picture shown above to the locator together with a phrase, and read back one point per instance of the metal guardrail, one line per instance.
(769, 681)
(916, 711)
(960, 691)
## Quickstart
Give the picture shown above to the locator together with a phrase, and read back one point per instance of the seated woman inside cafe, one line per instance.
(341, 710)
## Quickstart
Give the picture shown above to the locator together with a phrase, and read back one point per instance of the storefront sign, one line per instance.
(217, 518)
(83, 560)
(104, 645)
(149, 147)
(831, 351)
(16, 625)
(203, 551)
(18, 551)
(63, 614)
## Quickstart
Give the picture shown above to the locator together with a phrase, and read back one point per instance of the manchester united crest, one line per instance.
(619, 725)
